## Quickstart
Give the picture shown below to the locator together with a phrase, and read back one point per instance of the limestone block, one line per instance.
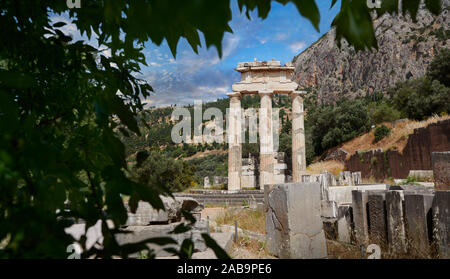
(326, 180)
(279, 178)
(344, 224)
(135, 234)
(417, 210)
(377, 217)
(395, 221)
(294, 227)
(360, 218)
(345, 178)
(441, 222)
(206, 183)
(356, 178)
(441, 170)
(280, 166)
(146, 214)
(329, 209)
(343, 194)
(248, 181)
(310, 178)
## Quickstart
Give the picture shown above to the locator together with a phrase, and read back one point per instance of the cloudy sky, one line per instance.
(281, 36)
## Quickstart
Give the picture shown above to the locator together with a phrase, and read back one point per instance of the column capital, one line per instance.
(299, 93)
(234, 94)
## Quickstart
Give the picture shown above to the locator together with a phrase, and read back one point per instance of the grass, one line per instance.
(333, 166)
(247, 248)
(340, 250)
(396, 140)
(247, 219)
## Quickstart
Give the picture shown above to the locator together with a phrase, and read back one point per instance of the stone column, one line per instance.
(298, 137)
(234, 142)
(265, 140)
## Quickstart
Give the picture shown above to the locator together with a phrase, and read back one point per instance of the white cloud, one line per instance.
(297, 46)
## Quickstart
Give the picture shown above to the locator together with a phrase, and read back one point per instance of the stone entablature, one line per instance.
(262, 76)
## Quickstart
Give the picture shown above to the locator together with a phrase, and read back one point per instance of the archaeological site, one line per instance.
(235, 138)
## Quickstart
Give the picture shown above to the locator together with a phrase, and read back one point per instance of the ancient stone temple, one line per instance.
(264, 78)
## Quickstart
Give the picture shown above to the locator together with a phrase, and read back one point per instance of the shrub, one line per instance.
(421, 97)
(439, 68)
(381, 132)
(383, 112)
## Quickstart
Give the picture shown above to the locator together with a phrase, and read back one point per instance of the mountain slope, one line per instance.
(405, 50)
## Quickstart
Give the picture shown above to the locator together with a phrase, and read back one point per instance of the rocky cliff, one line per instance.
(405, 50)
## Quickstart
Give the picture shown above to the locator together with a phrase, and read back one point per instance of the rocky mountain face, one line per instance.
(405, 50)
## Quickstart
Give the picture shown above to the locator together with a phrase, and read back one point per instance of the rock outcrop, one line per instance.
(405, 50)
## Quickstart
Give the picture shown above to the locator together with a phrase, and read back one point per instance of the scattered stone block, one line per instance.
(356, 177)
(146, 214)
(360, 218)
(344, 223)
(395, 221)
(417, 188)
(294, 227)
(377, 217)
(135, 234)
(417, 210)
(441, 222)
(441, 170)
(343, 195)
(329, 209)
(345, 178)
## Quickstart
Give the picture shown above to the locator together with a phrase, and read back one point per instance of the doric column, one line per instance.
(265, 140)
(234, 134)
(298, 137)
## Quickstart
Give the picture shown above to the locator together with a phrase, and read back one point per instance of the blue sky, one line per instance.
(281, 36)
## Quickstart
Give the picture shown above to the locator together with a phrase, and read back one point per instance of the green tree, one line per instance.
(159, 169)
(383, 112)
(60, 108)
(439, 68)
(421, 97)
(334, 124)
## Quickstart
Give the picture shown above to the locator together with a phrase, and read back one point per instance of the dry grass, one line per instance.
(333, 166)
(339, 250)
(247, 248)
(396, 140)
(247, 219)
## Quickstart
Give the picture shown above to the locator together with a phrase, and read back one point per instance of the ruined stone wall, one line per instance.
(416, 155)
